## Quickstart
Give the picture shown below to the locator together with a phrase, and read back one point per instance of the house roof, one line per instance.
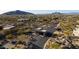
(8, 27)
(22, 19)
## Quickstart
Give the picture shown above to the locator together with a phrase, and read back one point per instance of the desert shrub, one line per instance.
(2, 36)
(1, 47)
(55, 45)
(10, 36)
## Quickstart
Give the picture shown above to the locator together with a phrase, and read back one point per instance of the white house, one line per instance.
(6, 27)
(22, 20)
(76, 31)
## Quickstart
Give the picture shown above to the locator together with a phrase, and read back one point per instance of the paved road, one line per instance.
(40, 39)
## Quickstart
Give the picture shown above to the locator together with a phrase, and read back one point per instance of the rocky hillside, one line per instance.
(17, 12)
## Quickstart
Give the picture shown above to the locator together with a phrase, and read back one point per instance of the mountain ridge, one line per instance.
(16, 12)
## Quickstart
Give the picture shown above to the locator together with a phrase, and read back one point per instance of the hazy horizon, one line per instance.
(46, 11)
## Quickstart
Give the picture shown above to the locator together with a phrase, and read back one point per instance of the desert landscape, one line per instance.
(25, 30)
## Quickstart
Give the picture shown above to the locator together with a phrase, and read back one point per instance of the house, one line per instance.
(48, 30)
(7, 27)
(37, 29)
(22, 20)
(76, 31)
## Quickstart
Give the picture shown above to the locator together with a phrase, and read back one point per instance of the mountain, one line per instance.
(68, 13)
(77, 13)
(17, 12)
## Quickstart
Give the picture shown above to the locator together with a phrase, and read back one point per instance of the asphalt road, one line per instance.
(40, 39)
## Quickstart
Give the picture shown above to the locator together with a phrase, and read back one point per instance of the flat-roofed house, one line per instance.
(76, 31)
(22, 20)
(7, 27)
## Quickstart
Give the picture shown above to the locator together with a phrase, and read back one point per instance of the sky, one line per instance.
(39, 6)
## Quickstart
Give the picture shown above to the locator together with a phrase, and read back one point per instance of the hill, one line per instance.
(17, 12)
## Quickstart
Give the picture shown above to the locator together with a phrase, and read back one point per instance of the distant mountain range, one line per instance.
(73, 13)
(66, 13)
(17, 12)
